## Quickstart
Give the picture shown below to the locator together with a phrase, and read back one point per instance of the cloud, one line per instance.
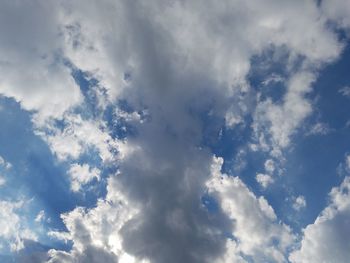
(4, 164)
(2, 180)
(269, 166)
(31, 69)
(264, 180)
(319, 129)
(152, 211)
(77, 137)
(337, 11)
(280, 121)
(299, 203)
(345, 91)
(81, 175)
(13, 230)
(344, 167)
(327, 239)
(40, 216)
(256, 228)
(96, 232)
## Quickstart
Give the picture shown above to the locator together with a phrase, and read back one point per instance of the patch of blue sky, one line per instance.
(35, 174)
(312, 160)
(312, 164)
(91, 91)
(269, 71)
(210, 203)
(31, 251)
(119, 127)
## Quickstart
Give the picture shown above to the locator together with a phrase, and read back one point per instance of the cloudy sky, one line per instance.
(174, 131)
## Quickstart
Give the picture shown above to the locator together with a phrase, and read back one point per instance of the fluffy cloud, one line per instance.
(96, 232)
(264, 179)
(40, 216)
(78, 136)
(256, 228)
(327, 239)
(13, 230)
(337, 11)
(81, 175)
(31, 67)
(283, 120)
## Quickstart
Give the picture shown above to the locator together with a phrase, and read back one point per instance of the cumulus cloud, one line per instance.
(327, 239)
(256, 228)
(31, 69)
(81, 175)
(96, 232)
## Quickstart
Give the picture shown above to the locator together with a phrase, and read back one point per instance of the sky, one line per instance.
(174, 131)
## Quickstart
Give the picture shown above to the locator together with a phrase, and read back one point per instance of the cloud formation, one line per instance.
(163, 69)
(327, 239)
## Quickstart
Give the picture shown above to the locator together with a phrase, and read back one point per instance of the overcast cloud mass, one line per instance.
(174, 131)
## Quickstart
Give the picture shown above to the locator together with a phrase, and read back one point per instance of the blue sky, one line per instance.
(170, 131)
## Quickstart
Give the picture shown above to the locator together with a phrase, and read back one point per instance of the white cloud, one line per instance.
(232, 253)
(264, 180)
(4, 164)
(328, 238)
(31, 71)
(338, 11)
(96, 232)
(269, 166)
(79, 136)
(344, 167)
(283, 120)
(256, 228)
(2, 181)
(319, 129)
(274, 78)
(299, 203)
(40, 216)
(13, 230)
(347, 162)
(345, 91)
(81, 175)
(232, 120)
